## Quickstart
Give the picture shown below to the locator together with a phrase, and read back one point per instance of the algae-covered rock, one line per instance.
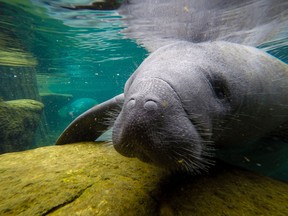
(19, 120)
(93, 179)
(227, 191)
(75, 180)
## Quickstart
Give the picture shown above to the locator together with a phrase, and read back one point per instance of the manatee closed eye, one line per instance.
(187, 99)
(220, 87)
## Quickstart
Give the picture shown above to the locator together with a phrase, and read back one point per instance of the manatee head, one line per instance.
(154, 127)
(174, 101)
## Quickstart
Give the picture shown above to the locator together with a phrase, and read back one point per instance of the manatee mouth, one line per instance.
(179, 150)
(133, 145)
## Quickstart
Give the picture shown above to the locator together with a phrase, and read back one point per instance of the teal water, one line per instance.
(74, 55)
(82, 54)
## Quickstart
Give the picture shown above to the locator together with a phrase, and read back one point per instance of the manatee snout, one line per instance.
(154, 127)
(135, 128)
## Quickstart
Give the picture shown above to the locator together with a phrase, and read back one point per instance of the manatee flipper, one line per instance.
(92, 123)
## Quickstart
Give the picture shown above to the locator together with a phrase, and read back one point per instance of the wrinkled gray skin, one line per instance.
(186, 99)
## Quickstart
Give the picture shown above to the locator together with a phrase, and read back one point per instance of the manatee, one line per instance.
(186, 99)
(204, 89)
(76, 107)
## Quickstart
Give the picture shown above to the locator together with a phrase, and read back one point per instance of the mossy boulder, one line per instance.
(19, 120)
(93, 179)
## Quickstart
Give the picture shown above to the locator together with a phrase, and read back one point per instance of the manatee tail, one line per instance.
(92, 123)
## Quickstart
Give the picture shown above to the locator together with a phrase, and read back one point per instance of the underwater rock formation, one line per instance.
(92, 179)
(20, 83)
(18, 65)
(19, 120)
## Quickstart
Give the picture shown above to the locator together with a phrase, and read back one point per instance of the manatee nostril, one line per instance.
(131, 104)
(150, 105)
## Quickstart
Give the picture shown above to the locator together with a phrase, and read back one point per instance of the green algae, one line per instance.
(93, 179)
(16, 57)
(12, 52)
(73, 179)
(19, 120)
(229, 191)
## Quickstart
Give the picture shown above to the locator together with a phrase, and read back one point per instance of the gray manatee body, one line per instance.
(187, 99)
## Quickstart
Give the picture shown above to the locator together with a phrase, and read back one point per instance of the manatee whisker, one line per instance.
(111, 117)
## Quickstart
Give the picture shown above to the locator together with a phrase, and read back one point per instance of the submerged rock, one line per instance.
(75, 179)
(89, 179)
(19, 120)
